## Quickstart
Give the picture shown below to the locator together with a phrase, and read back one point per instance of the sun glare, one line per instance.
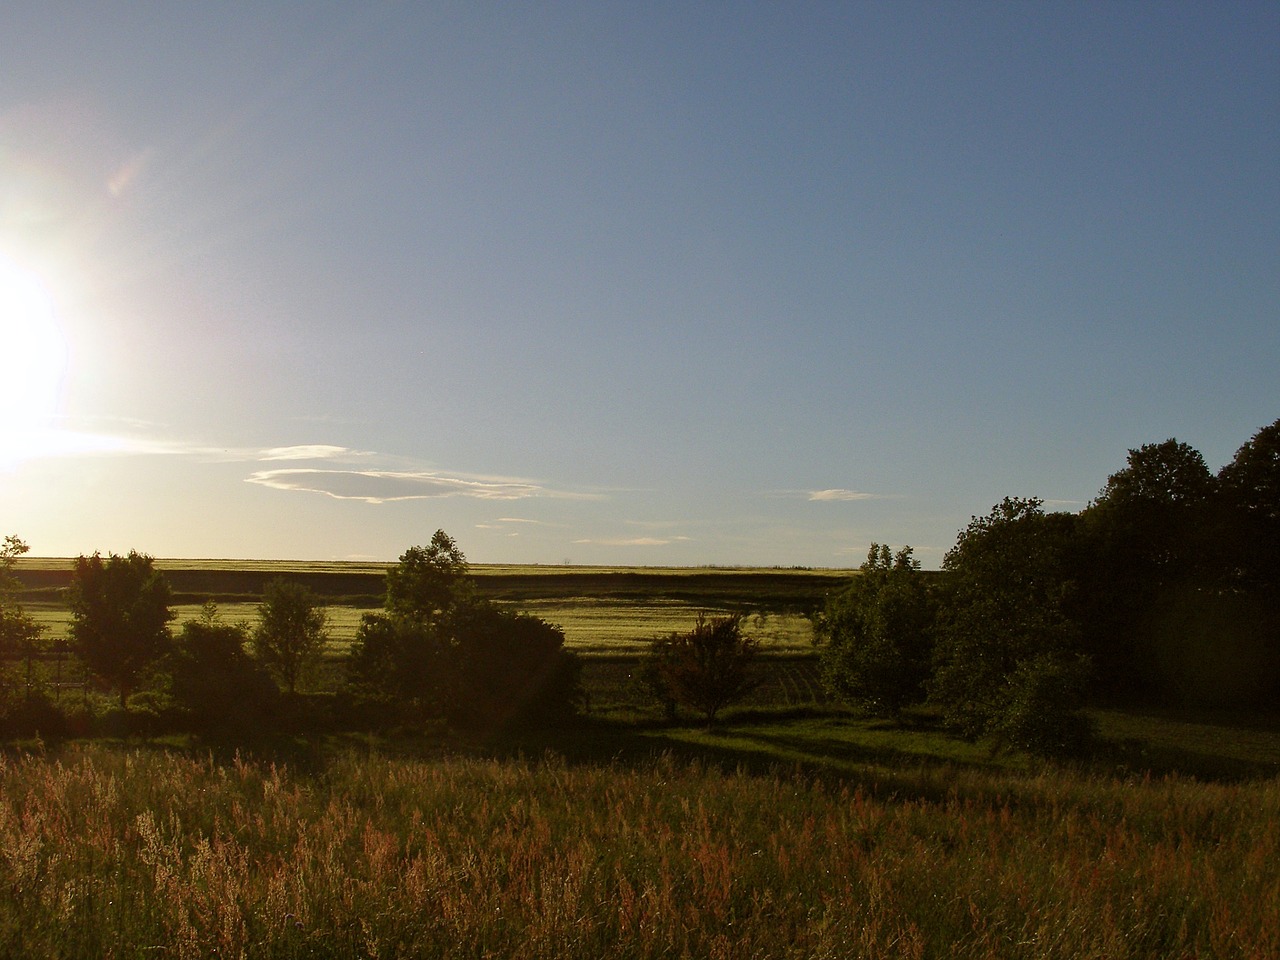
(33, 358)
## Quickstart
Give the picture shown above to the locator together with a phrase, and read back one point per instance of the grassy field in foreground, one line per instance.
(114, 852)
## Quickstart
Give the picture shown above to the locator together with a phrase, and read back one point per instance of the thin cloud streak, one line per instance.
(840, 495)
(310, 451)
(381, 486)
(635, 541)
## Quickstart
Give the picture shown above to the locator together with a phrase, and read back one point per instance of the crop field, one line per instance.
(601, 610)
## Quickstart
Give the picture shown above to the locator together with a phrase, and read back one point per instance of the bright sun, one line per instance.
(33, 358)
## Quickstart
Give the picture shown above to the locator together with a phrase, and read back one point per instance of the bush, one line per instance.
(34, 715)
(1040, 713)
(511, 667)
(215, 685)
(705, 669)
(440, 654)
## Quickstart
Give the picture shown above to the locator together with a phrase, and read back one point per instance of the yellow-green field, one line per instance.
(591, 625)
(602, 610)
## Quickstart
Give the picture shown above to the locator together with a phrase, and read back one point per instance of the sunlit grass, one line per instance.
(113, 853)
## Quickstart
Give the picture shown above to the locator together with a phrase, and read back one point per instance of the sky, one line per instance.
(613, 283)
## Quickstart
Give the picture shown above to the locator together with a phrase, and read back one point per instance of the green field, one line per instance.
(602, 610)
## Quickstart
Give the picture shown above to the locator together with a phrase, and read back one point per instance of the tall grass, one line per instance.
(124, 853)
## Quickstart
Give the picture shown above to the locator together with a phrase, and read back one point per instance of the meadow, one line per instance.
(792, 829)
(138, 851)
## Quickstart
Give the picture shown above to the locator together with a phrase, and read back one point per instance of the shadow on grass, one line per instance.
(754, 746)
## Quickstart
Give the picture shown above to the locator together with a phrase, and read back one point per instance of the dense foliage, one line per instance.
(1164, 590)
(215, 684)
(877, 634)
(119, 617)
(439, 653)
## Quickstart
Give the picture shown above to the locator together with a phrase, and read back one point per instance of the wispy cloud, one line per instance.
(634, 541)
(838, 494)
(380, 486)
(309, 451)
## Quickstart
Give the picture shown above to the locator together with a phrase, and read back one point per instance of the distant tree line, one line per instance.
(1164, 590)
(436, 657)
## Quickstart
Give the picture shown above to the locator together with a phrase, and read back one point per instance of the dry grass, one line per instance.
(116, 853)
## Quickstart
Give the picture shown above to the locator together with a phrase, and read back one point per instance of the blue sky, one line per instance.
(728, 283)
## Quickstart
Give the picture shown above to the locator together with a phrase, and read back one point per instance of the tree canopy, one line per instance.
(119, 616)
(437, 652)
(877, 634)
(1008, 662)
(291, 631)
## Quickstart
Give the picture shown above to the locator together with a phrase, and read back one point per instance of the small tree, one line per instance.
(18, 631)
(119, 617)
(705, 669)
(429, 581)
(291, 631)
(877, 633)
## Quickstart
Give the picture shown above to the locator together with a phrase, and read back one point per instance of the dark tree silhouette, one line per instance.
(439, 653)
(119, 617)
(212, 678)
(1008, 661)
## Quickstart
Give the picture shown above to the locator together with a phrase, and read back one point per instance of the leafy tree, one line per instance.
(291, 631)
(1006, 643)
(212, 678)
(401, 671)
(402, 664)
(439, 653)
(119, 617)
(707, 668)
(1149, 538)
(429, 582)
(1250, 492)
(1248, 612)
(877, 634)
(1153, 511)
(18, 631)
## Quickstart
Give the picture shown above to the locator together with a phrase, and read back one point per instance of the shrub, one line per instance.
(215, 685)
(705, 669)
